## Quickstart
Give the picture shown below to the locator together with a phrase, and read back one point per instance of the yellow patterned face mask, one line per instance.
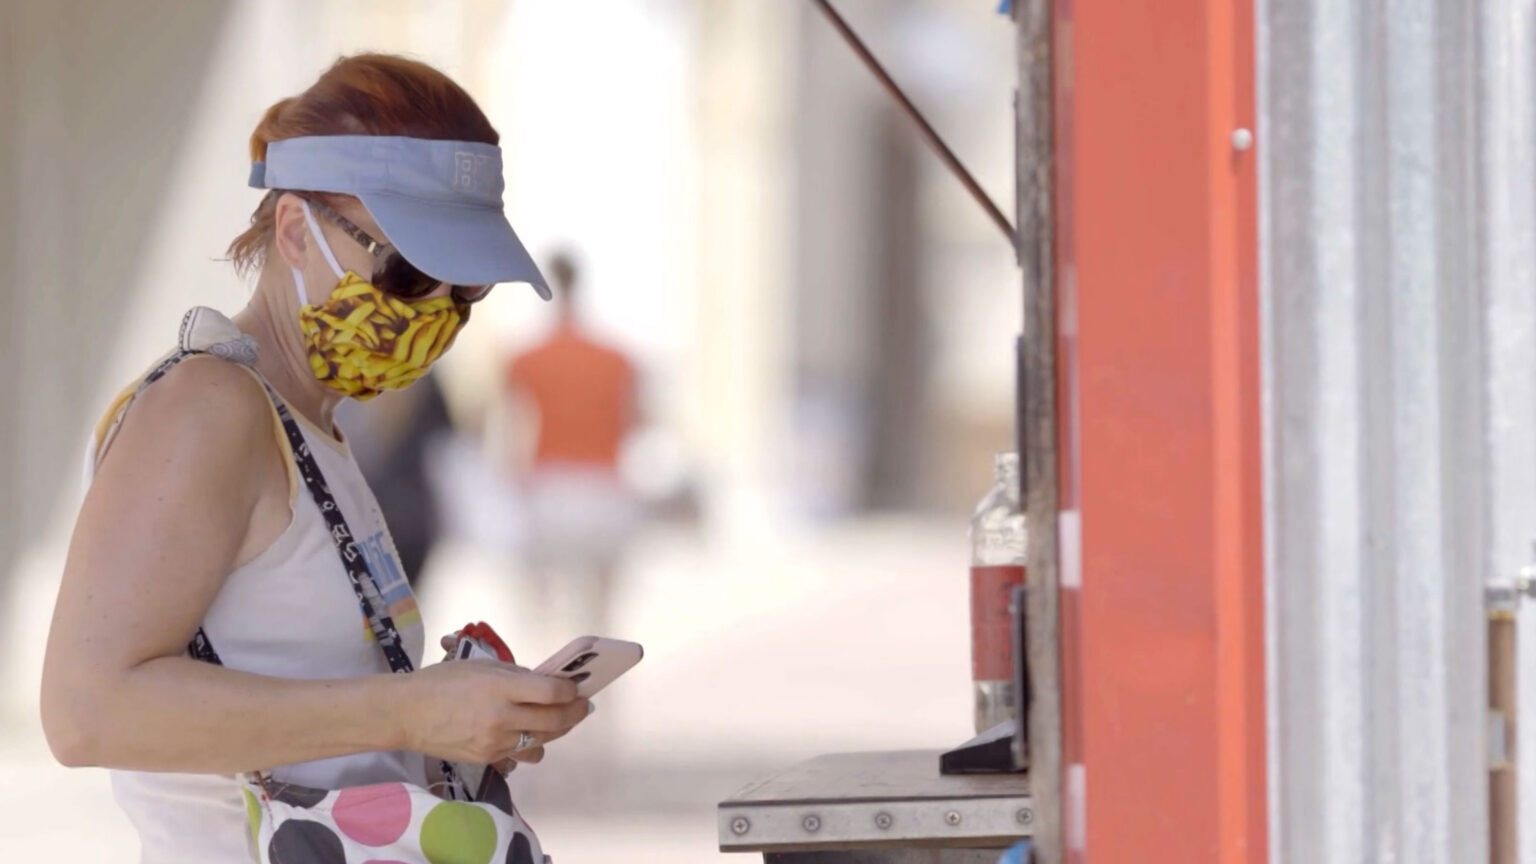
(362, 341)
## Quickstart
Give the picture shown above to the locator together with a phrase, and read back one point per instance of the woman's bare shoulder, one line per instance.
(206, 407)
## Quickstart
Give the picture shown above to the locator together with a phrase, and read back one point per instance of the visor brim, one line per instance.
(455, 243)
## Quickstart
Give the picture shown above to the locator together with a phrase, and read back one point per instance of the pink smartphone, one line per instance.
(592, 662)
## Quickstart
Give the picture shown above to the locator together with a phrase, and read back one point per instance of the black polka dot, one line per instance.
(520, 852)
(299, 841)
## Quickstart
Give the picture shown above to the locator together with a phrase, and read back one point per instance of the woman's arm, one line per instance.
(162, 525)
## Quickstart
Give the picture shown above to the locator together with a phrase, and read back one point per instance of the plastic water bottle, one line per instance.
(998, 538)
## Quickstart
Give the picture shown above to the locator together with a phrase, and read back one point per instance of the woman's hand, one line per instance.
(533, 756)
(477, 711)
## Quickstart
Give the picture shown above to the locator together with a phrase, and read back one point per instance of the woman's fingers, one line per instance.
(520, 686)
(546, 721)
(533, 755)
(507, 765)
(478, 711)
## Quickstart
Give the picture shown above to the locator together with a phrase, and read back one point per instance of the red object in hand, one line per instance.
(482, 633)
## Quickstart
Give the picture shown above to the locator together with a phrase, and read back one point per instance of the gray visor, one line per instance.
(438, 202)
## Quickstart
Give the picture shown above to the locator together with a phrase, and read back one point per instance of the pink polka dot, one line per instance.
(373, 815)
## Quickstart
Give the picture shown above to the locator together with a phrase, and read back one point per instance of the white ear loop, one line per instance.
(298, 286)
(325, 249)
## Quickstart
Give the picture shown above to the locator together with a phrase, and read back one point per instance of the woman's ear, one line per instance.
(290, 230)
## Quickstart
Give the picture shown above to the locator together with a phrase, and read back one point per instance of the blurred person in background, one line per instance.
(207, 624)
(579, 396)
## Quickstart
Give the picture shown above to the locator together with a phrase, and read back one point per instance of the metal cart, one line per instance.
(877, 808)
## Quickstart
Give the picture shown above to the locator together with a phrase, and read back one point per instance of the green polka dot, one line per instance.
(458, 833)
(253, 816)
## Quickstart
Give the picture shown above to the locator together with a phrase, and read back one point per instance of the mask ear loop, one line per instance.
(325, 247)
(298, 287)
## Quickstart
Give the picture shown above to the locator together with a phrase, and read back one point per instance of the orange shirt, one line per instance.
(585, 394)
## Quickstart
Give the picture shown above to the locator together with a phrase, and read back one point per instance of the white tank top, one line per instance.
(290, 612)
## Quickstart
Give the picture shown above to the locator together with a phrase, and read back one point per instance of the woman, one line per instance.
(198, 529)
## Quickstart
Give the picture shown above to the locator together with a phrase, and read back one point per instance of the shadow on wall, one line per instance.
(95, 98)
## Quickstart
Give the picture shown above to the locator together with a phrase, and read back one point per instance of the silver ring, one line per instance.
(524, 741)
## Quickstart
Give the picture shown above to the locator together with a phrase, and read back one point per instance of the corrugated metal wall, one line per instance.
(1399, 253)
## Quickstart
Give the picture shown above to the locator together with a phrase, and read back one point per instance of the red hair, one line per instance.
(365, 94)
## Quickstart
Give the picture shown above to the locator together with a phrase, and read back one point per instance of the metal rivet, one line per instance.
(811, 823)
(883, 821)
(952, 818)
(1242, 139)
(740, 826)
(1026, 816)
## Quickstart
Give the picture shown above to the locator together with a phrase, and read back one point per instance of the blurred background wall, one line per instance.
(823, 319)
(96, 136)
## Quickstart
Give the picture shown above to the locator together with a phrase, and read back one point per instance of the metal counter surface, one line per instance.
(878, 808)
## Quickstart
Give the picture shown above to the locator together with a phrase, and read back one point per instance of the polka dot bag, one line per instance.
(388, 823)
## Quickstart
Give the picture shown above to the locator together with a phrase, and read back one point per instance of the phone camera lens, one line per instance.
(579, 662)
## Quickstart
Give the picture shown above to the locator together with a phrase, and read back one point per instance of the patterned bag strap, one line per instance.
(363, 583)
